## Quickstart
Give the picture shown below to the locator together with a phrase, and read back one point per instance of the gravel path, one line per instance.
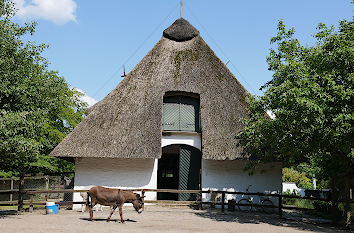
(155, 219)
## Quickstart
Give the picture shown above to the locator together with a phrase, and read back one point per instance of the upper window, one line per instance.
(181, 113)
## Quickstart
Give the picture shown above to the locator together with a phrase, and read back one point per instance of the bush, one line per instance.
(321, 206)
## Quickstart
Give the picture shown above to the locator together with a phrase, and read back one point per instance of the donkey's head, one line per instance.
(138, 203)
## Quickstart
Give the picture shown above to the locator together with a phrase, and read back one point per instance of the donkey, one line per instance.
(115, 198)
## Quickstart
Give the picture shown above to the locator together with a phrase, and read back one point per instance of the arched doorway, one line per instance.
(179, 168)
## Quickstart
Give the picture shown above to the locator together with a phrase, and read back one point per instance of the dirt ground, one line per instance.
(155, 219)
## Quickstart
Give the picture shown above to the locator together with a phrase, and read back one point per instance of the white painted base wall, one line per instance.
(142, 173)
(228, 175)
(115, 173)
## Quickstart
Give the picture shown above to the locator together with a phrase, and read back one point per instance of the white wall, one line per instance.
(293, 189)
(229, 175)
(115, 173)
(191, 140)
(142, 173)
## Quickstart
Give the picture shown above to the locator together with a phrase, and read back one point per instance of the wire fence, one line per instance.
(9, 188)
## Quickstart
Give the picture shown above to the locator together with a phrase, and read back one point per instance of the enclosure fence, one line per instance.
(63, 197)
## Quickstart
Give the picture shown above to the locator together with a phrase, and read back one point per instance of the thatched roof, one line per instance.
(127, 123)
(180, 30)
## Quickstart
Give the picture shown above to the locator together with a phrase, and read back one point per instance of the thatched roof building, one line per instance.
(127, 123)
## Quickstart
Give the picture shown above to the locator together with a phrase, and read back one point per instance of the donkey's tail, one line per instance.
(88, 204)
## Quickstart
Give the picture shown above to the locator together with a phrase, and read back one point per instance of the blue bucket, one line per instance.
(52, 208)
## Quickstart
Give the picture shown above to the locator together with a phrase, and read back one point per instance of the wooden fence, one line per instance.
(31, 202)
(9, 186)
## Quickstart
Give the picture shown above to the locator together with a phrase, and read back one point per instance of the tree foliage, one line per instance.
(299, 178)
(37, 107)
(311, 95)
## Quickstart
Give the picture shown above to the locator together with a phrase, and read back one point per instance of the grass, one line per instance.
(25, 207)
(315, 208)
(10, 207)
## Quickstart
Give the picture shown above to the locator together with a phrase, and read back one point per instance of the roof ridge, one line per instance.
(181, 30)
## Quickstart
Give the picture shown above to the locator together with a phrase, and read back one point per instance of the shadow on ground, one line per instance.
(105, 219)
(258, 218)
(6, 213)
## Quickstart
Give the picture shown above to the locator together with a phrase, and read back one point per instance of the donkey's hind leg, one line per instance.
(93, 203)
(121, 213)
(112, 210)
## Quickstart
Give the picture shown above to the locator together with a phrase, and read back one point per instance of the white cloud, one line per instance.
(58, 11)
(88, 99)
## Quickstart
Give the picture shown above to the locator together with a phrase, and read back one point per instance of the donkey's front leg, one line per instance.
(112, 210)
(121, 213)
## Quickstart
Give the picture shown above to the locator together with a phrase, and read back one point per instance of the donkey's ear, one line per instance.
(137, 196)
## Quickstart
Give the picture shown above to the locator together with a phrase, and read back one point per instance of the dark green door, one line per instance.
(181, 113)
(189, 172)
(179, 168)
(171, 116)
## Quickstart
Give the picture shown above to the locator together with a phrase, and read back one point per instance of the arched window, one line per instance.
(181, 112)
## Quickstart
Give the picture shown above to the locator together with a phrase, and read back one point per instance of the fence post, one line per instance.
(20, 193)
(31, 203)
(58, 181)
(347, 195)
(143, 194)
(11, 188)
(223, 201)
(280, 205)
(212, 201)
(46, 187)
(200, 199)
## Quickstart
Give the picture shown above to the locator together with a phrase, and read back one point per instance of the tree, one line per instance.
(299, 178)
(37, 107)
(311, 95)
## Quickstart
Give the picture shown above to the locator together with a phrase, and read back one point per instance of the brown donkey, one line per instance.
(115, 198)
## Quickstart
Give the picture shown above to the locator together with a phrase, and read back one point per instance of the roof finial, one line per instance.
(123, 72)
(181, 8)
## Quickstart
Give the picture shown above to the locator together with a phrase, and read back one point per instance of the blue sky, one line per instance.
(91, 40)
